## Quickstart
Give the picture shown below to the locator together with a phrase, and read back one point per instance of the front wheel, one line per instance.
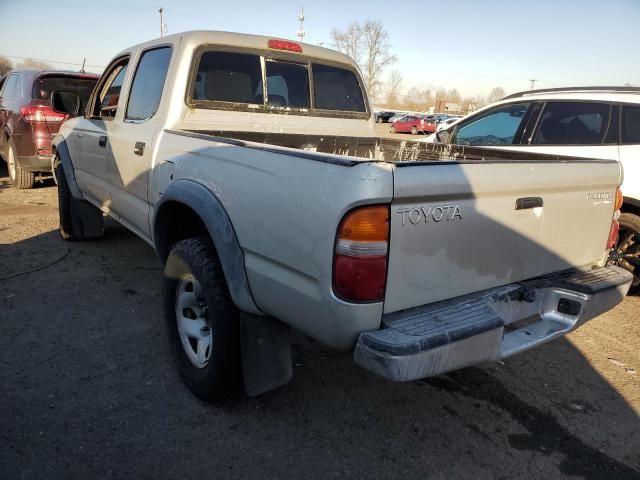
(203, 324)
(414, 131)
(626, 253)
(392, 129)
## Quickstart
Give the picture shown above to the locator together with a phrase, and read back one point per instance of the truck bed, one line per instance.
(374, 148)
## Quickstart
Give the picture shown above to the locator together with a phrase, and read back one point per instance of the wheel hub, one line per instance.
(192, 321)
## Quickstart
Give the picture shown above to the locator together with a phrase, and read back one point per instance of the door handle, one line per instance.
(525, 203)
(102, 141)
(138, 148)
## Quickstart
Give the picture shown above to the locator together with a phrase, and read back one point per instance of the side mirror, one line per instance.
(65, 102)
(443, 136)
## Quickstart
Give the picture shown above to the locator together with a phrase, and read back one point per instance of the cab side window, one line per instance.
(12, 87)
(573, 123)
(108, 94)
(496, 127)
(631, 125)
(148, 83)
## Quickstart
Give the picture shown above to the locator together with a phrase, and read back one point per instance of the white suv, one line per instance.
(593, 122)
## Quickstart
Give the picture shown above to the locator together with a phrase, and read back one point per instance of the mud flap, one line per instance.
(87, 221)
(266, 353)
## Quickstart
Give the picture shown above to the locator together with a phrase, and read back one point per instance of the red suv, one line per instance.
(28, 122)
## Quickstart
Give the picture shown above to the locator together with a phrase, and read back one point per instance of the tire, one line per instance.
(203, 324)
(414, 131)
(392, 129)
(626, 254)
(79, 220)
(20, 178)
(379, 120)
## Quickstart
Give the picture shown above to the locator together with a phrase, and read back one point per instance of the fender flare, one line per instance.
(215, 218)
(62, 152)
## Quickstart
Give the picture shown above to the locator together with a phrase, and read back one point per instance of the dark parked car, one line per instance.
(28, 121)
(383, 117)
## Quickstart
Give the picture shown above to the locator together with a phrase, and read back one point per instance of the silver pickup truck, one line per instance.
(251, 166)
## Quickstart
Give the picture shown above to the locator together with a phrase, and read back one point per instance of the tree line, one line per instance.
(6, 65)
(368, 44)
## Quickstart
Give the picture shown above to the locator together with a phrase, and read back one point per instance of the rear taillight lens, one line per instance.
(615, 225)
(41, 113)
(360, 257)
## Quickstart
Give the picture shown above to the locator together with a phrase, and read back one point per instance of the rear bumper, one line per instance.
(36, 163)
(490, 325)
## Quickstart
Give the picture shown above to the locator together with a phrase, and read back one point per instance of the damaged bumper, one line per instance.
(490, 325)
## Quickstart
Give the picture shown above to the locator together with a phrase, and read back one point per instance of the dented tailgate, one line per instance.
(458, 228)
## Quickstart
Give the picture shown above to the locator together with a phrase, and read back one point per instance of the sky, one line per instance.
(469, 45)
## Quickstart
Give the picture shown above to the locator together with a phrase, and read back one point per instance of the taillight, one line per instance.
(615, 225)
(360, 257)
(285, 45)
(41, 113)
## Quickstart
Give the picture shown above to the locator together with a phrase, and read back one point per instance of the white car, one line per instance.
(447, 123)
(595, 122)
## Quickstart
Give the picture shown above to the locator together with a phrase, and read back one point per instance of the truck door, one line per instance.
(134, 138)
(89, 143)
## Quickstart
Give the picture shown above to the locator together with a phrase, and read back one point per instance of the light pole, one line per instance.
(161, 11)
(301, 33)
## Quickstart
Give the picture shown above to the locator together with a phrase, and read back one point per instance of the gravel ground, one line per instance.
(88, 390)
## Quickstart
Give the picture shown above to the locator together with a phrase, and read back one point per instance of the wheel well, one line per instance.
(629, 207)
(174, 222)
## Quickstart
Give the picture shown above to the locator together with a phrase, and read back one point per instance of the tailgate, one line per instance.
(458, 228)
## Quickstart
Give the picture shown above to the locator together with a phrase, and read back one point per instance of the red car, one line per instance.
(414, 124)
(28, 121)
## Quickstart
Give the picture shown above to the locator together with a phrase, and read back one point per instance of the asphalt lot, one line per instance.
(88, 390)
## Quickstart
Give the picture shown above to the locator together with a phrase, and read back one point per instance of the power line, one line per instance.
(52, 61)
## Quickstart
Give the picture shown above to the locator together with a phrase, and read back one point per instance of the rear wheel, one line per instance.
(20, 178)
(379, 120)
(414, 131)
(203, 324)
(626, 253)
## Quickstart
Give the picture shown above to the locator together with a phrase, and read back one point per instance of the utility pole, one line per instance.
(83, 62)
(301, 33)
(161, 11)
(533, 82)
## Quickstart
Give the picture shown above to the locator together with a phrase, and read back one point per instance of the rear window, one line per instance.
(337, 89)
(236, 79)
(228, 77)
(631, 125)
(287, 85)
(43, 87)
(573, 123)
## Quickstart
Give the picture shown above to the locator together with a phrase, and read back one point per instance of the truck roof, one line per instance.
(202, 37)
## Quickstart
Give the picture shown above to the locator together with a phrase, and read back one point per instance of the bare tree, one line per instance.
(368, 45)
(5, 65)
(453, 95)
(496, 94)
(349, 41)
(36, 64)
(394, 88)
(417, 100)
